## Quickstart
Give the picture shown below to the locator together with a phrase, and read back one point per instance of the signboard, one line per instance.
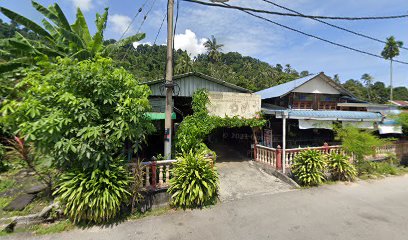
(229, 104)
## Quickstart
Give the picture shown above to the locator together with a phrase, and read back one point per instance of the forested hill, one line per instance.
(148, 62)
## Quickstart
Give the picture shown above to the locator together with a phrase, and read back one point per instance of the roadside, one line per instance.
(363, 210)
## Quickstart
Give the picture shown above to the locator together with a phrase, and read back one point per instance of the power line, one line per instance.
(295, 15)
(332, 25)
(158, 32)
(133, 20)
(141, 24)
(319, 38)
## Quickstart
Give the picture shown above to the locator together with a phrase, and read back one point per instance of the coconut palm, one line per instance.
(213, 49)
(56, 38)
(390, 51)
(184, 64)
(367, 80)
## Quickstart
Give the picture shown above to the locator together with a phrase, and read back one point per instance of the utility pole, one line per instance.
(169, 82)
(391, 90)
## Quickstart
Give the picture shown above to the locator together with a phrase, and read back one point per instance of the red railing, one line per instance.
(274, 156)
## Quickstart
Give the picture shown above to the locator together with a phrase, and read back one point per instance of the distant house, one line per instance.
(311, 105)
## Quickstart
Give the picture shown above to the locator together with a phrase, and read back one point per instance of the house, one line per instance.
(185, 86)
(304, 112)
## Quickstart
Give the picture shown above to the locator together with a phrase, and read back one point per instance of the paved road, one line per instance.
(363, 210)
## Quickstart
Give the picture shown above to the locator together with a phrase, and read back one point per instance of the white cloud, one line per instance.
(188, 41)
(84, 5)
(135, 44)
(119, 23)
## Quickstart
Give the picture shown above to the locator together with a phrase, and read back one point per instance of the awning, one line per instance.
(310, 124)
(389, 126)
(327, 115)
(159, 115)
(364, 125)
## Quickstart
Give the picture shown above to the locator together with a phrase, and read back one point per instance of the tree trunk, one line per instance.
(391, 90)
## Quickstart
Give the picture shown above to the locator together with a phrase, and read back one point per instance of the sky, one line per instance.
(253, 37)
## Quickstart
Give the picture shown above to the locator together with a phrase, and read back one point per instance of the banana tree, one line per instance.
(57, 38)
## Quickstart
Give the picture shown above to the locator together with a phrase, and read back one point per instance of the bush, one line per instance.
(80, 113)
(359, 142)
(194, 183)
(308, 168)
(340, 167)
(94, 196)
(3, 165)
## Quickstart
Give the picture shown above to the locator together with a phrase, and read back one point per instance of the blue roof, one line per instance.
(284, 88)
(327, 115)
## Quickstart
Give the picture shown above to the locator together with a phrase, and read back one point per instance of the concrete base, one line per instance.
(154, 199)
(270, 170)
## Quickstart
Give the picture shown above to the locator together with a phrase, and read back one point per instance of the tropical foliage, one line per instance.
(94, 195)
(83, 120)
(3, 165)
(340, 167)
(358, 142)
(403, 120)
(194, 183)
(213, 49)
(308, 168)
(56, 38)
(195, 128)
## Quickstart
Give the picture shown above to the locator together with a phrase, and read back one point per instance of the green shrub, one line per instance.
(359, 142)
(3, 165)
(340, 167)
(308, 168)
(80, 113)
(94, 196)
(194, 183)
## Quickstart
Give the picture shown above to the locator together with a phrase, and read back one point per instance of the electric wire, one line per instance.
(318, 38)
(133, 20)
(332, 25)
(160, 28)
(140, 26)
(295, 15)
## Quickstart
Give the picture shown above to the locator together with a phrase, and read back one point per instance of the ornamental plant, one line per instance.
(308, 167)
(3, 166)
(80, 113)
(94, 195)
(194, 183)
(340, 167)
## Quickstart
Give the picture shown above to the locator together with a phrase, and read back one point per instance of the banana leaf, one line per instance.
(25, 22)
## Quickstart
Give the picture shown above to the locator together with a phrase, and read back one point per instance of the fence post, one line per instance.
(326, 148)
(279, 158)
(154, 180)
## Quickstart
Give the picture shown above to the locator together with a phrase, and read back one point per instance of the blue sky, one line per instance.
(253, 37)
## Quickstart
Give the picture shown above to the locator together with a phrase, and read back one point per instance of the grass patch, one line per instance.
(6, 184)
(149, 213)
(56, 227)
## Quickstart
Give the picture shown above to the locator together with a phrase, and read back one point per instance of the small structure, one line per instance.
(185, 86)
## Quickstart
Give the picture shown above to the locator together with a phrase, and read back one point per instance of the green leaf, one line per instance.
(25, 22)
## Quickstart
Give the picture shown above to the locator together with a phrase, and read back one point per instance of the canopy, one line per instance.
(159, 115)
(326, 115)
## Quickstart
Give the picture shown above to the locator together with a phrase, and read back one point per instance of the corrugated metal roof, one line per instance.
(188, 83)
(285, 88)
(327, 115)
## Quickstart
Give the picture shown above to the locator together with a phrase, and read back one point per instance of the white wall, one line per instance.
(317, 85)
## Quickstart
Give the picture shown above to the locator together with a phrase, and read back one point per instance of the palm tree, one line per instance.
(390, 51)
(184, 64)
(213, 49)
(56, 38)
(367, 80)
